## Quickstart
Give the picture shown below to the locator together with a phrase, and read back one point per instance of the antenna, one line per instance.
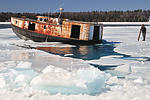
(48, 13)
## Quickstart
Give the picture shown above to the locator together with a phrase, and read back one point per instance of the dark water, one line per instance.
(85, 52)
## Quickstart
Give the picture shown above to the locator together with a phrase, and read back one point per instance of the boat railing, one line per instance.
(36, 21)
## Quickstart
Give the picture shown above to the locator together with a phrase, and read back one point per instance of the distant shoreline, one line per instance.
(7, 24)
(89, 16)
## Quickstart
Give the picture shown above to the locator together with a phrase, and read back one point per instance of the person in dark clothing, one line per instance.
(143, 30)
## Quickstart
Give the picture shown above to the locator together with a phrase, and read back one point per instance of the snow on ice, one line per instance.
(29, 74)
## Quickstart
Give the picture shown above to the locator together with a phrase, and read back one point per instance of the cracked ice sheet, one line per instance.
(21, 69)
(129, 88)
(113, 60)
(139, 49)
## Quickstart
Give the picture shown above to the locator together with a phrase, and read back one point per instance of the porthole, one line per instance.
(44, 27)
(40, 19)
(45, 20)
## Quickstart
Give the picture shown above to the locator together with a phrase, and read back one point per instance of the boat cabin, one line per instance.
(59, 28)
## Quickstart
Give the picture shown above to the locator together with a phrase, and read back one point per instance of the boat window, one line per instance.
(44, 27)
(31, 26)
(40, 19)
(45, 20)
(75, 31)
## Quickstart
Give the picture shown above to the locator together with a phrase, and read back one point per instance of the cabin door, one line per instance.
(96, 33)
(75, 31)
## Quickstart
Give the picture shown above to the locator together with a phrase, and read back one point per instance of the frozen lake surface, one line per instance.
(118, 69)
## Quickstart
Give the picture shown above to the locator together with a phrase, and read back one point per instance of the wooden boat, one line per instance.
(47, 29)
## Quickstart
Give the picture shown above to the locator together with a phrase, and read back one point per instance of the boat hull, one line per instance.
(37, 37)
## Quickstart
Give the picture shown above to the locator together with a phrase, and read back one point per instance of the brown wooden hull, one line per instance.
(37, 37)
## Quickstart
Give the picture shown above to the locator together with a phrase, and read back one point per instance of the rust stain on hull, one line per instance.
(61, 28)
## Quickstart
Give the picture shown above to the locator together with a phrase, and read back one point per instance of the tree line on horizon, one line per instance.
(90, 16)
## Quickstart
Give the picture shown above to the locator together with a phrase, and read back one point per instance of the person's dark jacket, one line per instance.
(143, 29)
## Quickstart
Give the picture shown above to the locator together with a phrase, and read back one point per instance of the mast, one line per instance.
(60, 18)
(48, 14)
(61, 11)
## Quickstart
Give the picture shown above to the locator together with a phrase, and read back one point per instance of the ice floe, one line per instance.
(29, 74)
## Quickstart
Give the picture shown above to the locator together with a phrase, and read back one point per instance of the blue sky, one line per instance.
(72, 5)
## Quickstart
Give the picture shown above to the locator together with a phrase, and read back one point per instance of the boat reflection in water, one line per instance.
(82, 52)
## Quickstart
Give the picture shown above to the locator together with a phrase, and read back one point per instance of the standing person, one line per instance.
(143, 30)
